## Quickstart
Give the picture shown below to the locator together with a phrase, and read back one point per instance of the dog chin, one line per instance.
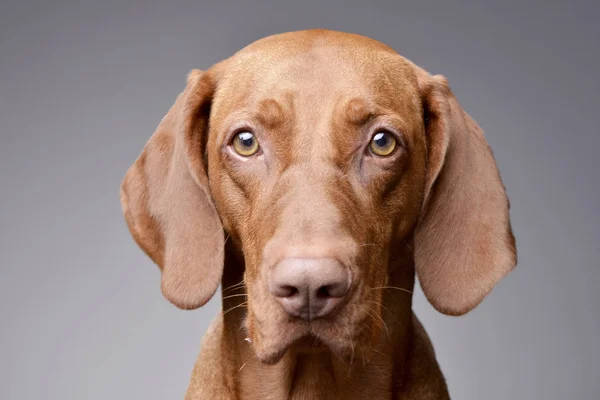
(305, 344)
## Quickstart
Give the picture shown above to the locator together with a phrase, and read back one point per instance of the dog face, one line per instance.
(325, 158)
(334, 169)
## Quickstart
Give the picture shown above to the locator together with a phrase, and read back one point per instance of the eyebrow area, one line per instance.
(357, 111)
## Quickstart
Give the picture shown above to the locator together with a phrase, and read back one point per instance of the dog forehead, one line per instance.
(299, 41)
(316, 71)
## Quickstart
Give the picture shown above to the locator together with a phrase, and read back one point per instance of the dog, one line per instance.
(313, 175)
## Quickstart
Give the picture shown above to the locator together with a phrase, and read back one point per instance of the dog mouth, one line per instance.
(272, 334)
(308, 344)
(307, 340)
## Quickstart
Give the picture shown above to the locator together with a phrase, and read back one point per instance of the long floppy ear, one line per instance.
(167, 202)
(463, 241)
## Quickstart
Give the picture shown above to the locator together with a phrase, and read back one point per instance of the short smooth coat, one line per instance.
(435, 208)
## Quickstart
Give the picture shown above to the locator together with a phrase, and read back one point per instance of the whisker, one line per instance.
(352, 349)
(338, 358)
(374, 364)
(244, 304)
(362, 357)
(374, 315)
(240, 283)
(237, 286)
(378, 304)
(219, 231)
(389, 312)
(224, 241)
(234, 295)
(242, 367)
(222, 250)
(392, 287)
(374, 350)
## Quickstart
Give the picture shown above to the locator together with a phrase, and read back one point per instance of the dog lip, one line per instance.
(272, 357)
(273, 354)
(306, 343)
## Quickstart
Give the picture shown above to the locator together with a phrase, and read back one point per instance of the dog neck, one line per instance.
(306, 373)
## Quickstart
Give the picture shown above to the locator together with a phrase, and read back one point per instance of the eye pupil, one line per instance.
(245, 144)
(383, 144)
(381, 139)
(246, 139)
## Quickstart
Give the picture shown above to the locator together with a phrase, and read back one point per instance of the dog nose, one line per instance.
(309, 288)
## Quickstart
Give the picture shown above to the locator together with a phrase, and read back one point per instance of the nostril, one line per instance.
(284, 291)
(332, 290)
(323, 292)
(289, 291)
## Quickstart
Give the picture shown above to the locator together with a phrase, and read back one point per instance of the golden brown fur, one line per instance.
(435, 208)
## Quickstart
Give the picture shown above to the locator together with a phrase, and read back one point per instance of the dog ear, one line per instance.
(463, 241)
(167, 203)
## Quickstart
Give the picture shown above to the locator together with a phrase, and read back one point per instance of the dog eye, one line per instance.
(383, 144)
(245, 144)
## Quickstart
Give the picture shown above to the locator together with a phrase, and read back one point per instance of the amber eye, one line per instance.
(245, 144)
(383, 144)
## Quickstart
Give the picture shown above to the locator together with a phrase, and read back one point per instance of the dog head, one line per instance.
(325, 158)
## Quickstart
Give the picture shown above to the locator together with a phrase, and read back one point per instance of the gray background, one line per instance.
(84, 84)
